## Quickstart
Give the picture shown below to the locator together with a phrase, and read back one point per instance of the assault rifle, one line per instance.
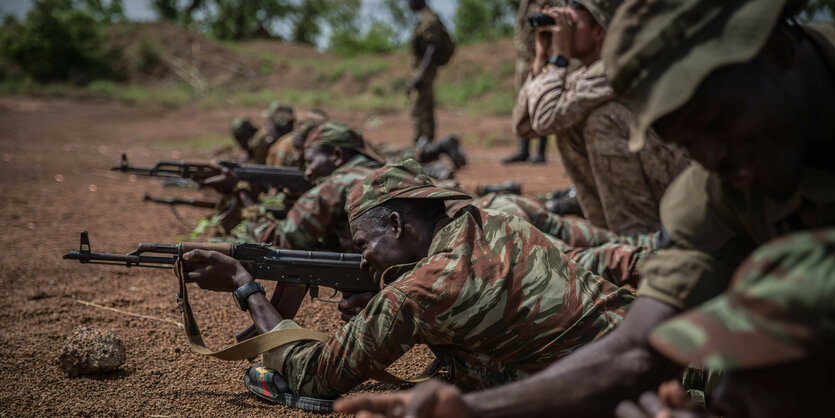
(278, 213)
(262, 175)
(338, 271)
(178, 201)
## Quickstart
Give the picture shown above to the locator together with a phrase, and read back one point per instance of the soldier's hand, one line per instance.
(562, 32)
(353, 303)
(413, 85)
(212, 270)
(224, 182)
(428, 399)
(670, 402)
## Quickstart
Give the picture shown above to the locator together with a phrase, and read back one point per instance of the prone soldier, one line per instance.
(747, 95)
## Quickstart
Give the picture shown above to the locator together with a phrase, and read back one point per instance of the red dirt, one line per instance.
(55, 181)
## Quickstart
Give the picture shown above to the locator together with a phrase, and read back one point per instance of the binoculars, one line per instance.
(538, 20)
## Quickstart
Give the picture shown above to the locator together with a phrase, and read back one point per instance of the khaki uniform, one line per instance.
(429, 30)
(617, 190)
(714, 226)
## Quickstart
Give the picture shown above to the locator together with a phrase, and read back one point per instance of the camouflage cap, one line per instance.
(337, 134)
(780, 309)
(278, 113)
(657, 52)
(601, 10)
(404, 180)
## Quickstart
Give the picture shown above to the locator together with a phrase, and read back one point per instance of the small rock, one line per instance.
(91, 351)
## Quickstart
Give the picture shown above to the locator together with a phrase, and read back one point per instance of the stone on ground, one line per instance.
(91, 351)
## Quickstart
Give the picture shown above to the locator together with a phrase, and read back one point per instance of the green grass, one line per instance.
(200, 143)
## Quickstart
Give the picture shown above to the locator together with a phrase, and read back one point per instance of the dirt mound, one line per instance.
(158, 52)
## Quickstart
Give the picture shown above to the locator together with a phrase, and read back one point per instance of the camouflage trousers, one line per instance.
(606, 254)
(422, 113)
(617, 189)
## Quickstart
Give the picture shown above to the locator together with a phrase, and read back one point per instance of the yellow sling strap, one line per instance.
(261, 343)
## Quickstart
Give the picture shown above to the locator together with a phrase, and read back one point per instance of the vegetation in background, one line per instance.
(816, 10)
(481, 20)
(59, 40)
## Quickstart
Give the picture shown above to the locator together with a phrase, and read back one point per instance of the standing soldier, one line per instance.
(524, 40)
(431, 48)
(617, 189)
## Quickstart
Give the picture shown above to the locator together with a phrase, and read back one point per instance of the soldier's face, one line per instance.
(745, 125)
(588, 35)
(319, 162)
(381, 245)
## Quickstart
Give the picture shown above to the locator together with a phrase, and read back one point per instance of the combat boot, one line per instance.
(438, 170)
(564, 202)
(509, 187)
(521, 155)
(451, 146)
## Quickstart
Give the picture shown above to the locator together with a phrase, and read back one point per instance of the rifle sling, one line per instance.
(264, 342)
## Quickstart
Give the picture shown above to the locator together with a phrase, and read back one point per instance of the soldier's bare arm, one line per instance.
(591, 381)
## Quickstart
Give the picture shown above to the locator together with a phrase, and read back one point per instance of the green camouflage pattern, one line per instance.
(283, 152)
(657, 52)
(404, 180)
(493, 299)
(600, 251)
(279, 113)
(258, 147)
(779, 309)
(317, 221)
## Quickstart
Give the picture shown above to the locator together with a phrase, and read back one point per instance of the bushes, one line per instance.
(58, 41)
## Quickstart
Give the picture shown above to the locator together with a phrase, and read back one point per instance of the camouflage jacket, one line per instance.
(428, 30)
(493, 299)
(317, 221)
(554, 101)
(282, 153)
(714, 226)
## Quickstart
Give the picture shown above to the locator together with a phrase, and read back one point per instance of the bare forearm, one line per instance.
(591, 381)
(264, 315)
(425, 62)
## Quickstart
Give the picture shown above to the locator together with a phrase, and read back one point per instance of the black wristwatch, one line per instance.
(558, 60)
(242, 293)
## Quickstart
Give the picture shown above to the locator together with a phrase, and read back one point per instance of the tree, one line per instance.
(245, 19)
(478, 20)
(60, 40)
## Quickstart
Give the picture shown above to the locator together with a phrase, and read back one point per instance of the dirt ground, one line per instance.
(55, 181)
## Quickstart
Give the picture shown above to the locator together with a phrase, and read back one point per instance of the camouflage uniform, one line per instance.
(429, 30)
(617, 190)
(280, 122)
(493, 299)
(713, 225)
(317, 220)
(778, 310)
(284, 152)
(611, 256)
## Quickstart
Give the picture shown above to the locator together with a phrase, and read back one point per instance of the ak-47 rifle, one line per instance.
(179, 201)
(262, 175)
(338, 271)
(278, 213)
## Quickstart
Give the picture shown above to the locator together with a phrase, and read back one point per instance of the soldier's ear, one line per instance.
(395, 222)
